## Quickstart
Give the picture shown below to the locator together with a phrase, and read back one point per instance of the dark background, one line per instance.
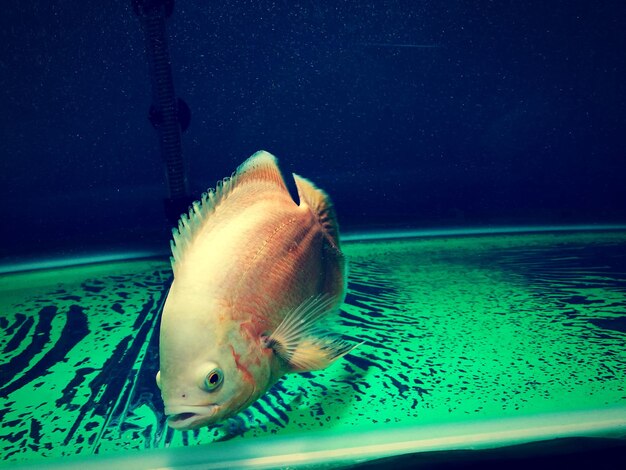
(513, 113)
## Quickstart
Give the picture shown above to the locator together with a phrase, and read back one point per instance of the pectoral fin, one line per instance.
(300, 343)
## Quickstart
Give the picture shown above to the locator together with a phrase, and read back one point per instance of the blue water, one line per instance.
(410, 114)
(415, 116)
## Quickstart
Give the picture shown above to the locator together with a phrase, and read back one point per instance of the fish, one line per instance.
(255, 276)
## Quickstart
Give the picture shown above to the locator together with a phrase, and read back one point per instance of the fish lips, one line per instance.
(184, 418)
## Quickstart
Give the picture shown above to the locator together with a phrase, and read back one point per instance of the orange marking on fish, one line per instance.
(244, 370)
(252, 330)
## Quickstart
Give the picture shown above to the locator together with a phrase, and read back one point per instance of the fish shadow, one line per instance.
(331, 399)
(324, 403)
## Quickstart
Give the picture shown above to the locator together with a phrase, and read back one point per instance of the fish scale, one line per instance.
(254, 273)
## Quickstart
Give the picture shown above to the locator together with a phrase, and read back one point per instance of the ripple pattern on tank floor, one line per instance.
(455, 329)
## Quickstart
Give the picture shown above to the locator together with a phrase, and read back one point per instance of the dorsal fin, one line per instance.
(260, 167)
(321, 205)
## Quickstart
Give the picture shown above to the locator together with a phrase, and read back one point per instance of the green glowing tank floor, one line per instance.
(456, 330)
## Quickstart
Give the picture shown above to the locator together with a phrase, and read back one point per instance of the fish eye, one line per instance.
(213, 379)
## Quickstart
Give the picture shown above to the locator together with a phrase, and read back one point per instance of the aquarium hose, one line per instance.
(169, 115)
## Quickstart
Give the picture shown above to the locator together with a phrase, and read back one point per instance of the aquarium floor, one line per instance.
(456, 330)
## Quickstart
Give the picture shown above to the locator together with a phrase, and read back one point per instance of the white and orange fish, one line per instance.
(254, 273)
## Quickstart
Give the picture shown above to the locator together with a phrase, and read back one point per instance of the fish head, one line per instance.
(209, 371)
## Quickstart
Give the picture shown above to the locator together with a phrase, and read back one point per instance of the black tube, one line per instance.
(167, 112)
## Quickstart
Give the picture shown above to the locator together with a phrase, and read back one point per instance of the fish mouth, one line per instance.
(189, 417)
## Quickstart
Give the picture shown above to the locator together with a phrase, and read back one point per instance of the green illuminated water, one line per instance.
(456, 330)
